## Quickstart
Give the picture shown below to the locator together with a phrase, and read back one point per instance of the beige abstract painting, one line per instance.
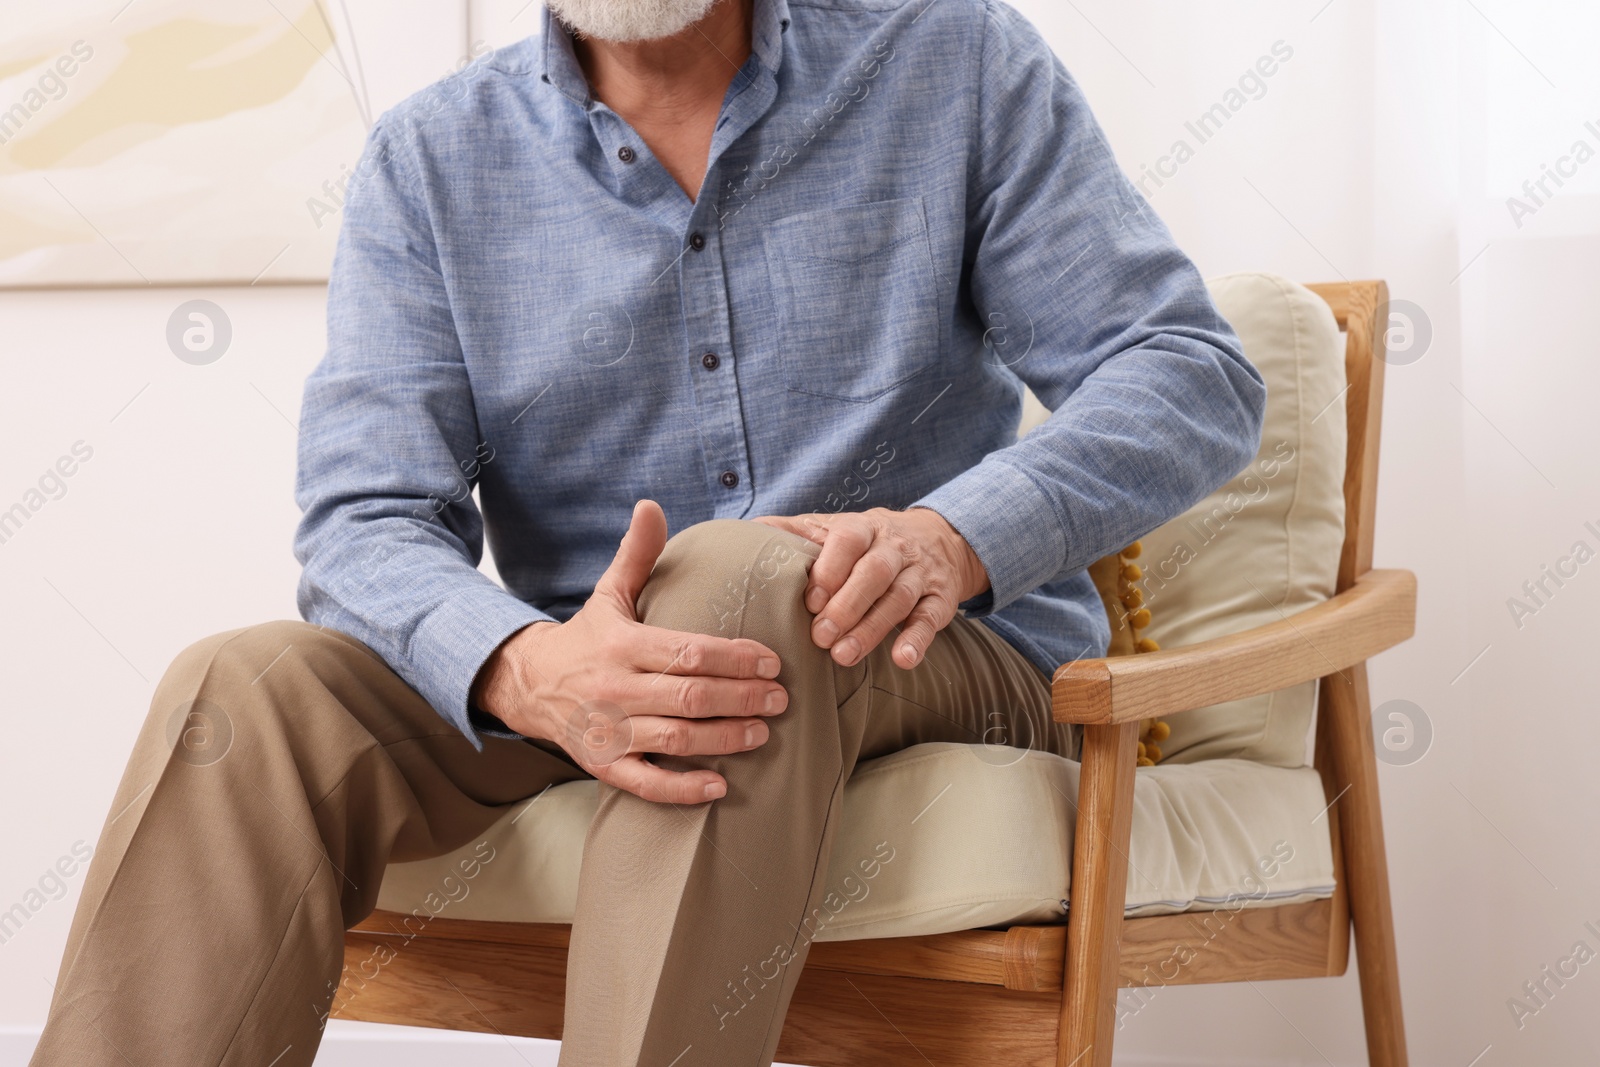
(176, 141)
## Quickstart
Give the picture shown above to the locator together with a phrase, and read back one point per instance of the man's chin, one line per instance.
(629, 20)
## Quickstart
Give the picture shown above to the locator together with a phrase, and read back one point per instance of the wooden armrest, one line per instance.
(1376, 613)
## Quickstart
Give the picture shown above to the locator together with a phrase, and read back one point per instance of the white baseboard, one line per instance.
(1168, 1061)
(366, 1045)
(369, 1045)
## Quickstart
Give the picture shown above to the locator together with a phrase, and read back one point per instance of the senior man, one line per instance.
(744, 258)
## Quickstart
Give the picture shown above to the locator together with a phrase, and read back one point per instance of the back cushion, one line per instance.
(1266, 544)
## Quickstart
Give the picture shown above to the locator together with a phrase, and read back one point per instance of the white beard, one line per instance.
(629, 20)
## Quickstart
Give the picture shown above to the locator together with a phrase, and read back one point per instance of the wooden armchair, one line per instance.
(1046, 995)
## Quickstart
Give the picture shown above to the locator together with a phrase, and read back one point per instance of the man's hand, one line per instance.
(879, 569)
(609, 689)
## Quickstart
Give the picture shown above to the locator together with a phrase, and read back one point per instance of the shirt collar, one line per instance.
(768, 21)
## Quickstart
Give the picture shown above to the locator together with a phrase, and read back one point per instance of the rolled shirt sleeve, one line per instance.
(1153, 402)
(389, 452)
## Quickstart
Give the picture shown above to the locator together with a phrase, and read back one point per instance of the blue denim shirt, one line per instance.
(909, 213)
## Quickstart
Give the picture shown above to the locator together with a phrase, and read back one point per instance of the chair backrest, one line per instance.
(1268, 542)
(1291, 529)
(1362, 311)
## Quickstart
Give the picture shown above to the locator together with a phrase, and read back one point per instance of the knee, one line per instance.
(732, 578)
(242, 655)
(219, 684)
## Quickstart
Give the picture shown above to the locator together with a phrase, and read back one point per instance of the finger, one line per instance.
(696, 737)
(636, 556)
(890, 611)
(932, 614)
(664, 651)
(696, 697)
(645, 780)
(869, 580)
(847, 541)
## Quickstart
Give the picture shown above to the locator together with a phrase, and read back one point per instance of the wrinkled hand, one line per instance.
(609, 689)
(879, 569)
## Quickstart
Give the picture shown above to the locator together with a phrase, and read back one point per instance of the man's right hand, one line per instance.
(609, 689)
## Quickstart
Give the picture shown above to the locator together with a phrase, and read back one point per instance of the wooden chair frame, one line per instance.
(1046, 996)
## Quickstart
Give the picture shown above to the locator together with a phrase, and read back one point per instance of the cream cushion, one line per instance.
(982, 836)
(1266, 544)
(967, 836)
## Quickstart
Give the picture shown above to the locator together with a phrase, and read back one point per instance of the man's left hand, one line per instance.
(880, 569)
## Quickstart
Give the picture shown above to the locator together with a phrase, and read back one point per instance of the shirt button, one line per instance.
(730, 479)
(626, 154)
(710, 361)
(697, 242)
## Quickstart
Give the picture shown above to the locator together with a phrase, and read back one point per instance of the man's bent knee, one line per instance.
(732, 578)
(219, 682)
(247, 654)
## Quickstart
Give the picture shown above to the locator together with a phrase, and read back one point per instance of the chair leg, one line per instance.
(1347, 704)
(1098, 895)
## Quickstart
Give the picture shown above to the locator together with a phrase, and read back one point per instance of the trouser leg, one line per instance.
(280, 768)
(685, 912)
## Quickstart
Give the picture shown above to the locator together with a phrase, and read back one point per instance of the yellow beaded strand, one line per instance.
(1152, 731)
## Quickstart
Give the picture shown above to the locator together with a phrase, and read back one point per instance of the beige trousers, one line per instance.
(283, 766)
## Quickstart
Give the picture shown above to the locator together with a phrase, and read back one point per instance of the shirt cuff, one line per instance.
(1011, 525)
(452, 643)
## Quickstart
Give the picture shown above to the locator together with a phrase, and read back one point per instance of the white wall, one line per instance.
(1286, 186)
(1383, 147)
(1351, 164)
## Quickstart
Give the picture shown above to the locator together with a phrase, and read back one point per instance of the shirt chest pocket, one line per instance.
(856, 296)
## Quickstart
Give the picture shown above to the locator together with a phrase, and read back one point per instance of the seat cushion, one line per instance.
(1267, 543)
(965, 836)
